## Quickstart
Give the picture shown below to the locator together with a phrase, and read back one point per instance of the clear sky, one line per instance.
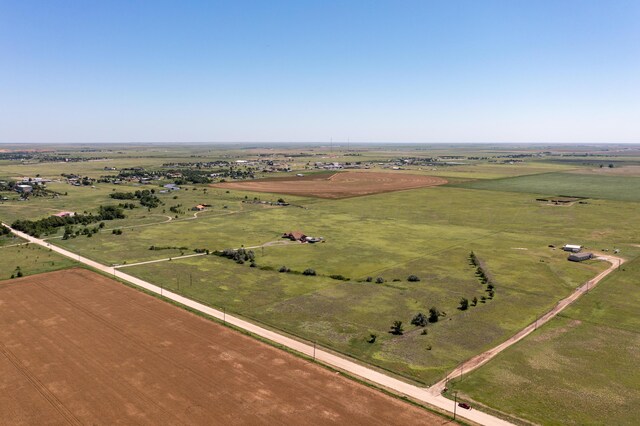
(379, 71)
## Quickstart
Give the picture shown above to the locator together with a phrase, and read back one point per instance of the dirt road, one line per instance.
(430, 396)
(484, 357)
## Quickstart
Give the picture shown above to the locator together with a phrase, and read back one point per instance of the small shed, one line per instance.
(171, 187)
(579, 257)
(24, 188)
(572, 248)
(65, 214)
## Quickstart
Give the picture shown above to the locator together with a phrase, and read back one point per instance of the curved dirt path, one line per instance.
(484, 357)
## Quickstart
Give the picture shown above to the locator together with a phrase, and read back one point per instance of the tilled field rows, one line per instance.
(77, 347)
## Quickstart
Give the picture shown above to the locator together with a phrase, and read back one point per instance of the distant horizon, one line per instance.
(335, 144)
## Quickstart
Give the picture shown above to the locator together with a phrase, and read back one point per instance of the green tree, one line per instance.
(434, 313)
(464, 304)
(396, 328)
(419, 320)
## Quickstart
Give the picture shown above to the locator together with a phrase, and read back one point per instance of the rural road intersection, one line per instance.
(431, 396)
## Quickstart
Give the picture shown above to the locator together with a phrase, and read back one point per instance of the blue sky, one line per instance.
(379, 71)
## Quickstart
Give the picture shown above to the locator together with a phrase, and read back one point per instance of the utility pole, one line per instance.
(224, 315)
(455, 403)
(314, 350)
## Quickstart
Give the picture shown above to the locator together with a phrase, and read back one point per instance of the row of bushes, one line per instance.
(380, 280)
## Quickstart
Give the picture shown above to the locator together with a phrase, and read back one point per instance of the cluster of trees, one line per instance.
(122, 196)
(50, 225)
(419, 320)
(240, 255)
(192, 176)
(145, 196)
(4, 231)
(17, 273)
(69, 232)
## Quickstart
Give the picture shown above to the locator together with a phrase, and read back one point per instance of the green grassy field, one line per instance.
(342, 315)
(579, 369)
(623, 188)
(30, 259)
(431, 239)
(426, 232)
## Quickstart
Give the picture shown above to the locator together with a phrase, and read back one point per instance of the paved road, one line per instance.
(428, 396)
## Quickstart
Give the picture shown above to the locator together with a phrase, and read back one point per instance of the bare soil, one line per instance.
(337, 185)
(77, 347)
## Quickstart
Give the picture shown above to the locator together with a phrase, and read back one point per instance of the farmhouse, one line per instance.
(572, 248)
(295, 236)
(199, 207)
(579, 257)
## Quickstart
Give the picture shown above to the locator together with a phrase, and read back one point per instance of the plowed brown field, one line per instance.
(337, 185)
(77, 347)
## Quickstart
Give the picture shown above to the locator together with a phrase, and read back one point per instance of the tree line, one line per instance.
(50, 225)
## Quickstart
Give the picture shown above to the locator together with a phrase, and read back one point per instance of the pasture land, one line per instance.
(625, 170)
(29, 259)
(621, 188)
(476, 170)
(80, 348)
(337, 185)
(580, 368)
(343, 314)
(427, 232)
(364, 234)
